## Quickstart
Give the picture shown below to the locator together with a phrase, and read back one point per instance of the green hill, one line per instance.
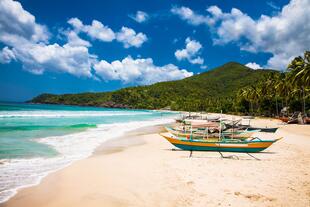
(214, 90)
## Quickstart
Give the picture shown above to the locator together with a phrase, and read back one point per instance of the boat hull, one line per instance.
(218, 149)
(268, 130)
(223, 146)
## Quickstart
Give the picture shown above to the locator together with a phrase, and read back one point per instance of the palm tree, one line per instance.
(255, 94)
(300, 74)
(271, 88)
(283, 88)
(246, 93)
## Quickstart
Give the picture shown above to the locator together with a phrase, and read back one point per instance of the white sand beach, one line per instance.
(142, 170)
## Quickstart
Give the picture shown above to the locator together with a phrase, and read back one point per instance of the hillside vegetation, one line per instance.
(211, 91)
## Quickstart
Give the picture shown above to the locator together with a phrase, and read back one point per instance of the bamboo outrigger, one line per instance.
(205, 134)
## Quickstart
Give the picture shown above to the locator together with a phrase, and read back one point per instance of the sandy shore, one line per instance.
(142, 170)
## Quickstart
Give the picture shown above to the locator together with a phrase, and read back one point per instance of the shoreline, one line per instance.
(65, 160)
(114, 145)
(141, 170)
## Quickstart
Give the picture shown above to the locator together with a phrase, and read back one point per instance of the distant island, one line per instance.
(231, 87)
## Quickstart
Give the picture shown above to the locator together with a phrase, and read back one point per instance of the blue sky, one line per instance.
(79, 46)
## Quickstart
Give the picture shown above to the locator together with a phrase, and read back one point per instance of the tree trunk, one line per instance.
(282, 104)
(304, 100)
(251, 108)
(277, 110)
(287, 108)
(286, 104)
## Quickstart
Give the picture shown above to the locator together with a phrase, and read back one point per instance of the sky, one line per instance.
(67, 46)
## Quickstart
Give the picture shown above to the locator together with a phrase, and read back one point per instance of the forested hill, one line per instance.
(209, 91)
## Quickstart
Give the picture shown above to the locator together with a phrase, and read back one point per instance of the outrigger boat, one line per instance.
(204, 133)
(267, 130)
(250, 145)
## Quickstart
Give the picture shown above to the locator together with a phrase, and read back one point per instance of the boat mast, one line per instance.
(220, 130)
(233, 128)
(191, 131)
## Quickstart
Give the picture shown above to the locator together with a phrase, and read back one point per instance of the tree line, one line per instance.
(289, 90)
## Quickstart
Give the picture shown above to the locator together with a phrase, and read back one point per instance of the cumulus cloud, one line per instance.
(283, 35)
(6, 55)
(38, 58)
(98, 31)
(190, 16)
(140, 16)
(130, 38)
(28, 42)
(17, 23)
(75, 40)
(190, 52)
(76, 23)
(253, 65)
(142, 71)
(203, 67)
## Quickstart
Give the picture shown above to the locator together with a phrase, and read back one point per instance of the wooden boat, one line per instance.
(269, 130)
(223, 145)
(204, 133)
(284, 119)
(200, 123)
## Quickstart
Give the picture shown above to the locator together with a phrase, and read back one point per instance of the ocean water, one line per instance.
(38, 139)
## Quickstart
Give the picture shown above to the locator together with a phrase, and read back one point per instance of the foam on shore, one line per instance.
(20, 173)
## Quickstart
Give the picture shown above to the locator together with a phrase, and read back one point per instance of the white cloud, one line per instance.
(76, 23)
(190, 53)
(75, 40)
(140, 16)
(6, 55)
(197, 60)
(215, 11)
(253, 65)
(141, 71)
(38, 58)
(96, 30)
(27, 42)
(203, 67)
(130, 38)
(188, 15)
(284, 35)
(17, 23)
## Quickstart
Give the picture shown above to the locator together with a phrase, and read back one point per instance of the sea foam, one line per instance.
(57, 114)
(19, 173)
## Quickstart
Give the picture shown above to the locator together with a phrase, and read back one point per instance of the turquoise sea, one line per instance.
(36, 139)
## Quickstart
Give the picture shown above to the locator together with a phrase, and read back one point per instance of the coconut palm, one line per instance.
(284, 88)
(300, 74)
(271, 88)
